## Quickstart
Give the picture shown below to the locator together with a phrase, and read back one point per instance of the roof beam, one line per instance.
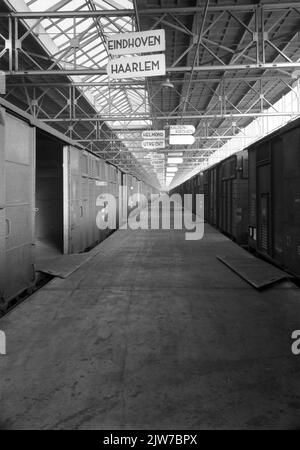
(139, 85)
(204, 68)
(149, 11)
(191, 10)
(69, 14)
(126, 118)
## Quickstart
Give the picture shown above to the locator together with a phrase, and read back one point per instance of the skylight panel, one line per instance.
(60, 40)
(73, 5)
(97, 51)
(111, 99)
(101, 4)
(41, 5)
(90, 46)
(84, 25)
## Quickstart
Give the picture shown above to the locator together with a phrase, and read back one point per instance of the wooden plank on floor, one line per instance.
(62, 266)
(255, 271)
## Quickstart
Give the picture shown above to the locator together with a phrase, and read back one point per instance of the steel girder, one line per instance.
(268, 6)
(221, 107)
(69, 112)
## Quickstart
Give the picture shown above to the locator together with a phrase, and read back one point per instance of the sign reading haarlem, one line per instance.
(140, 66)
(143, 42)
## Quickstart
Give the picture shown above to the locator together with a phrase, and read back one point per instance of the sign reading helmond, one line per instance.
(139, 66)
(143, 42)
(154, 134)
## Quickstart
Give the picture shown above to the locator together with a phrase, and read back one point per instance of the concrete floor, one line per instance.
(152, 333)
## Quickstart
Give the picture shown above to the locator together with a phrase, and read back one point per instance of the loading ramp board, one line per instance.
(62, 266)
(257, 272)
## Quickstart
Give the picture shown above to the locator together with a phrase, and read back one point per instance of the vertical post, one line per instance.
(74, 42)
(66, 200)
(70, 102)
(16, 44)
(257, 35)
(260, 35)
(34, 103)
(73, 102)
(10, 39)
(262, 22)
(261, 94)
(298, 94)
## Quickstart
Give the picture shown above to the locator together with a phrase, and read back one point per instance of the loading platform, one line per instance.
(152, 332)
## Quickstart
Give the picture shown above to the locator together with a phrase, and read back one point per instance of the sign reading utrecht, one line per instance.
(140, 66)
(143, 42)
(154, 144)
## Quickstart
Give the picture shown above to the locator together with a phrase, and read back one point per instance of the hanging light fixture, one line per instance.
(167, 84)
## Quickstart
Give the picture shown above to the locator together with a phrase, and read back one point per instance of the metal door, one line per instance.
(19, 207)
(264, 225)
(2, 204)
(264, 209)
(75, 201)
(291, 256)
(229, 208)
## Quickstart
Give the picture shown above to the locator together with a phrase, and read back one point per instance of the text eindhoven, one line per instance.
(134, 42)
(130, 43)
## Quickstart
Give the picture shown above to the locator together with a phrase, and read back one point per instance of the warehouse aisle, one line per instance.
(152, 333)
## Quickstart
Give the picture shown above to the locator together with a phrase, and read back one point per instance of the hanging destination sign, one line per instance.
(152, 144)
(154, 134)
(139, 66)
(182, 129)
(142, 42)
(181, 140)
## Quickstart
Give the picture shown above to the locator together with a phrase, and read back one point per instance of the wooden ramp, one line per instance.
(62, 266)
(255, 271)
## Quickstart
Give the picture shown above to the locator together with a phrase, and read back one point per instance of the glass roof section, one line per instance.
(80, 43)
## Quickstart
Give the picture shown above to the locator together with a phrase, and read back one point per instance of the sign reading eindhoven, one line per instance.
(143, 42)
(139, 66)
